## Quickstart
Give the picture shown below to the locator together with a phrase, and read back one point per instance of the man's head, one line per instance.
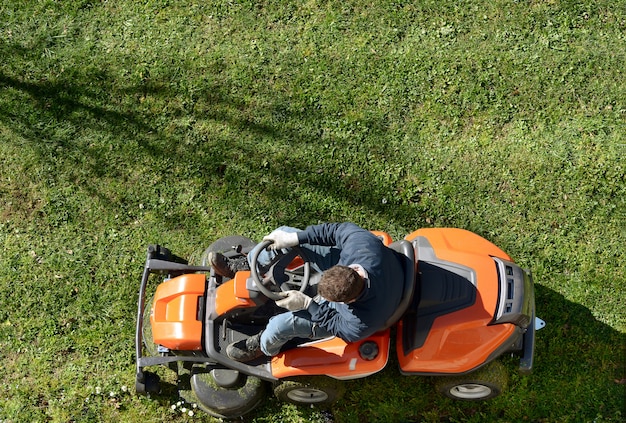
(340, 284)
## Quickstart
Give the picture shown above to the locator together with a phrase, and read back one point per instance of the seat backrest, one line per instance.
(407, 256)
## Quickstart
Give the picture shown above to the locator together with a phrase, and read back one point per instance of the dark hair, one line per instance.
(340, 284)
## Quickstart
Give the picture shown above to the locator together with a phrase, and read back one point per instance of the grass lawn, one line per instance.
(125, 123)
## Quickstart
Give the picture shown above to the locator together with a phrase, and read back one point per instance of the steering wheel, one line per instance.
(277, 274)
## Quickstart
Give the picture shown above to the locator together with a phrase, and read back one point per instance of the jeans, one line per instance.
(289, 326)
(296, 326)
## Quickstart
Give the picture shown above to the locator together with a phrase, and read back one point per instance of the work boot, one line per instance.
(246, 349)
(227, 266)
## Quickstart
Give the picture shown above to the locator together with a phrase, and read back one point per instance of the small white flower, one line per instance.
(190, 413)
(173, 407)
(97, 390)
(111, 394)
(183, 410)
(124, 388)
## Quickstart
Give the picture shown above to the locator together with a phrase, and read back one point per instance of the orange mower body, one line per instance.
(466, 304)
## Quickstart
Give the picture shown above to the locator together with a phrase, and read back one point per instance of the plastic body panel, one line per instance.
(463, 339)
(174, 314)
(233, 294)
(383, 236)
(332, 357)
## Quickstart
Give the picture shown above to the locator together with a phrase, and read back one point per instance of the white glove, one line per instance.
(282, 239)
(294, 300)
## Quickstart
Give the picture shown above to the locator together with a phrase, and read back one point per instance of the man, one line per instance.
(360, 288)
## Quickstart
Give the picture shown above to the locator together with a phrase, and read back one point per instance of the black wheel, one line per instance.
(229, 246)
(148, 340)
(485, 383)
(239, 394)
(147, 383)
(313, 390)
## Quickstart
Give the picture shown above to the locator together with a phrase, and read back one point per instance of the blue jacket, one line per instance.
(383, 290)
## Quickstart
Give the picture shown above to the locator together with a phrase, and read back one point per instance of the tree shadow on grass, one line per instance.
(85, 126)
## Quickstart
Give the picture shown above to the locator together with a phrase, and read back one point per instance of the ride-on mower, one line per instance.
(465, 304)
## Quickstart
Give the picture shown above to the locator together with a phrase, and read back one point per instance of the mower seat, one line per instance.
(407, 256)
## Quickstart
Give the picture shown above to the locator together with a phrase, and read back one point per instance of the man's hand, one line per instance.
(282, 239)
(294, 300)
